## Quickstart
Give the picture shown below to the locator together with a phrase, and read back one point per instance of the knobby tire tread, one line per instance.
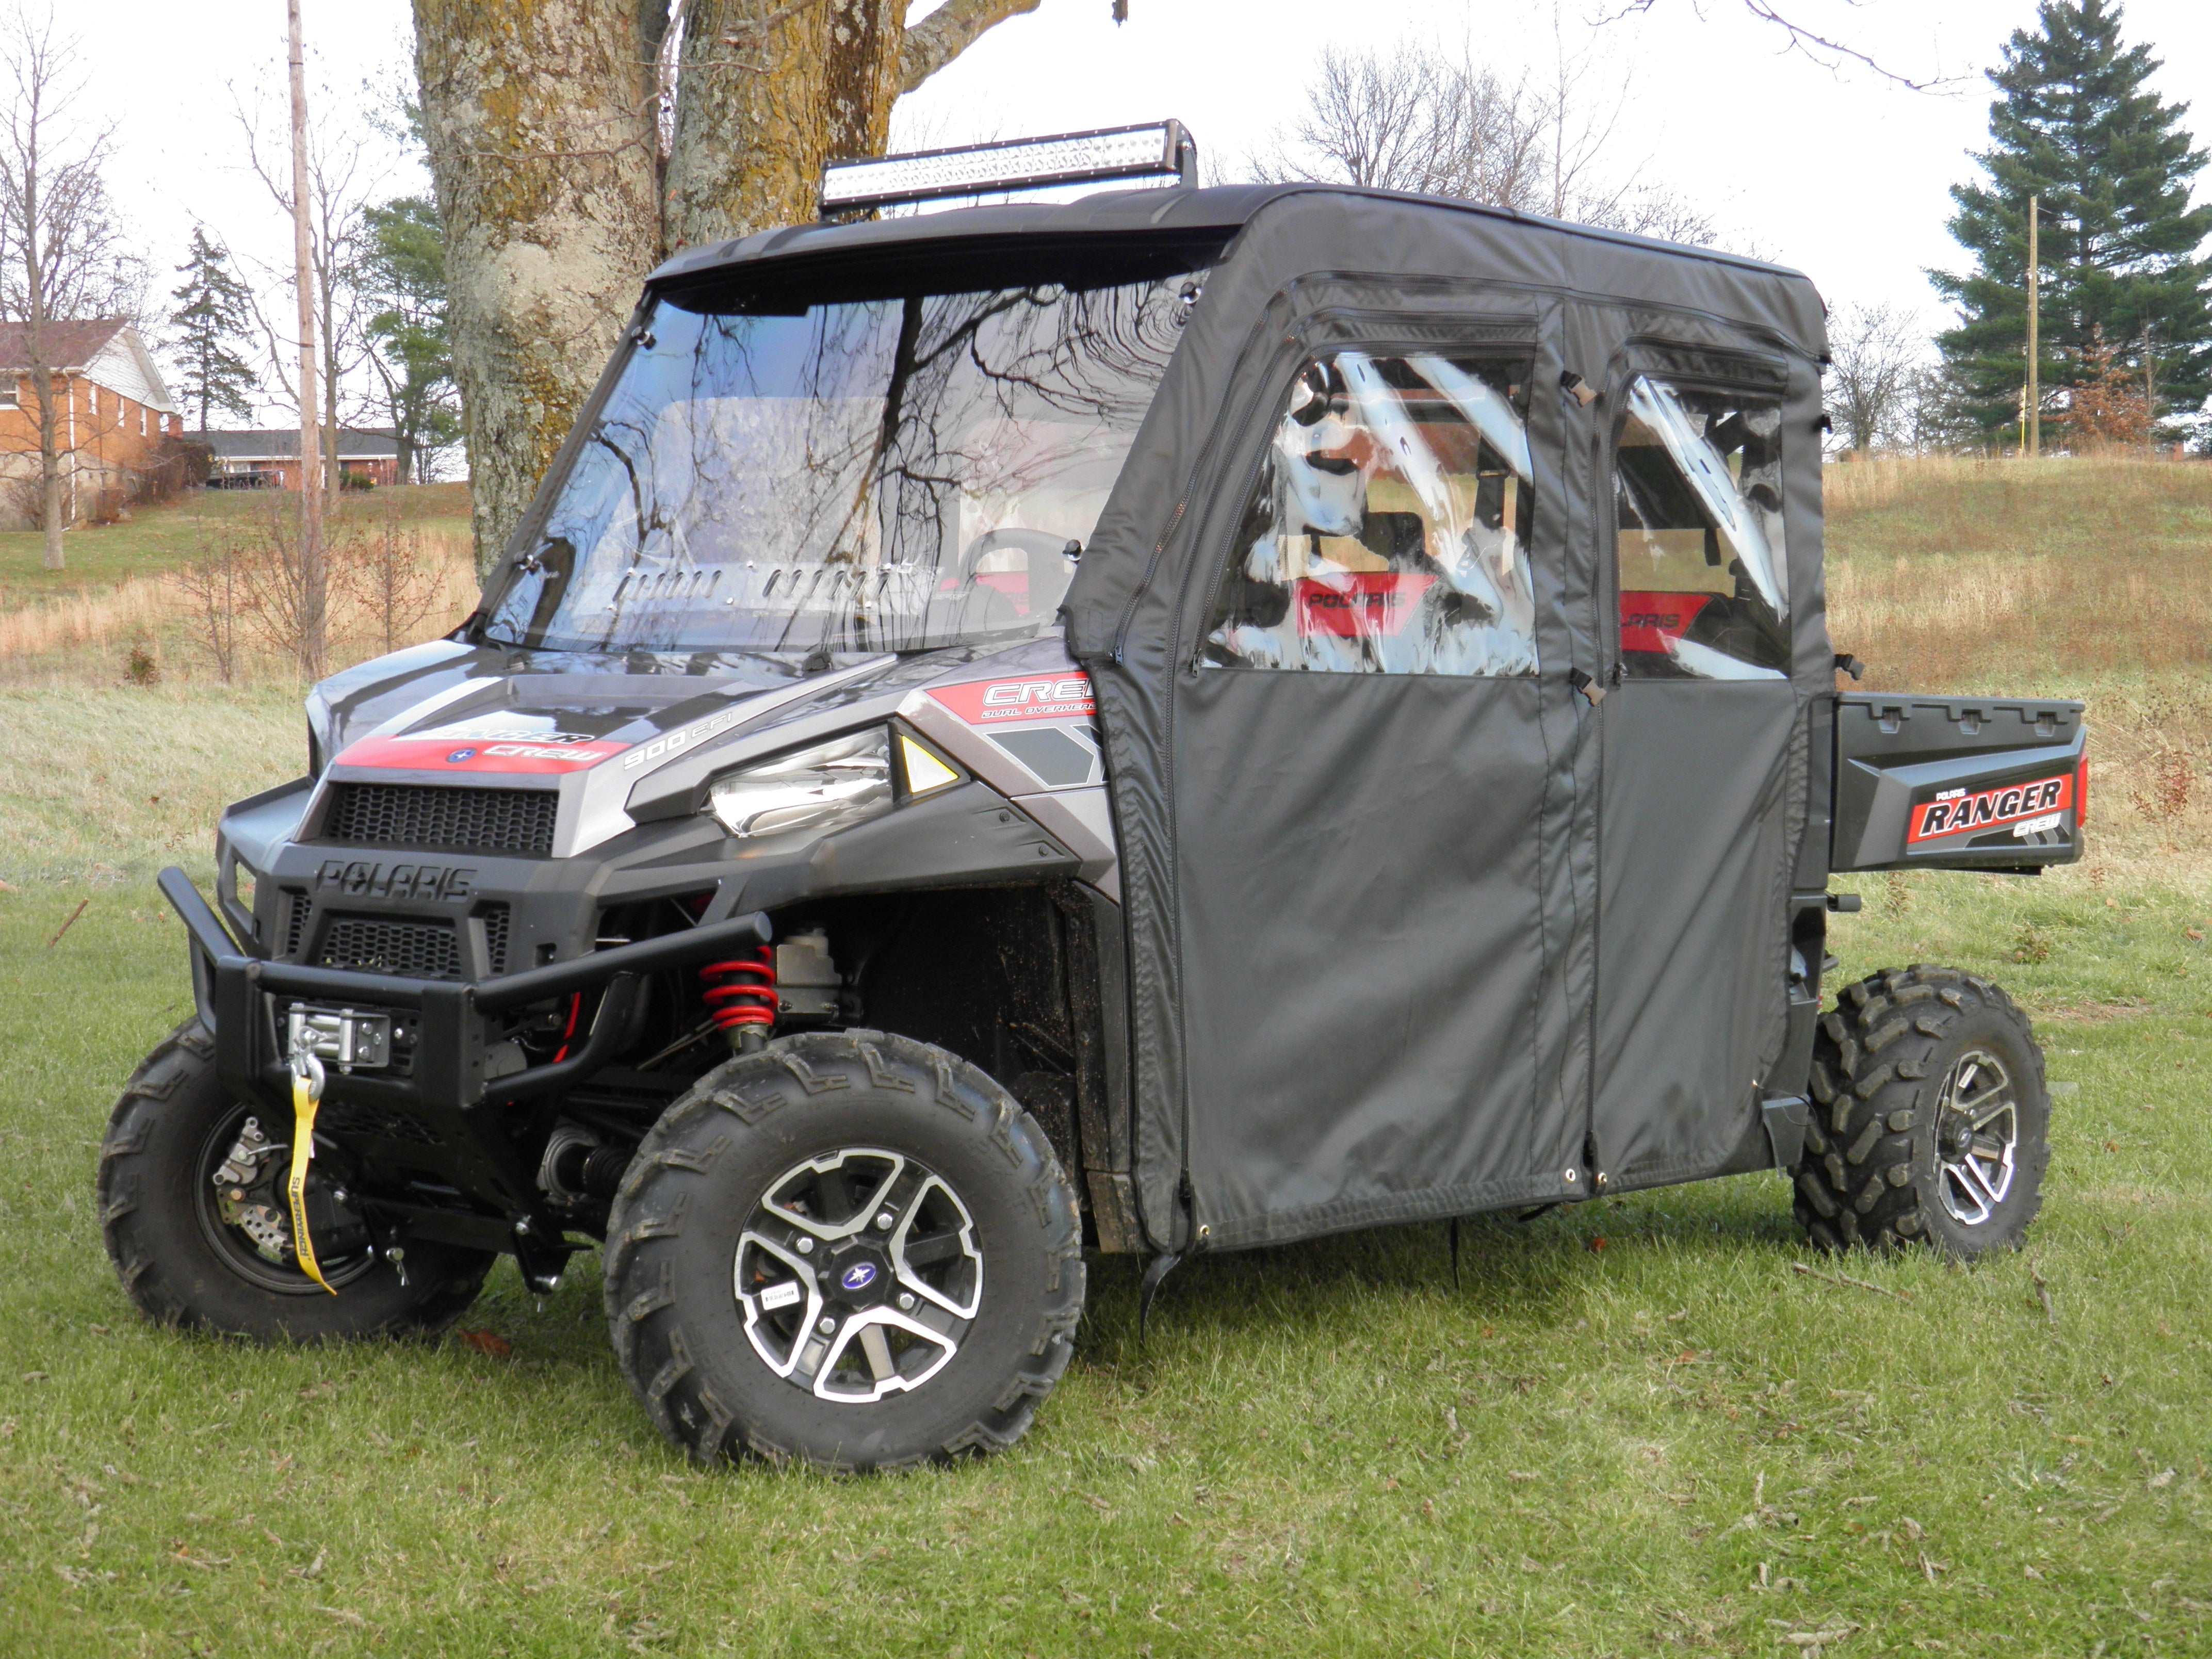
(1864, 1178)
(123, 1179)
(651, 1346)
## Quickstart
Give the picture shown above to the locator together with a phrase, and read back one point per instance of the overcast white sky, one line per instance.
(1836, 171)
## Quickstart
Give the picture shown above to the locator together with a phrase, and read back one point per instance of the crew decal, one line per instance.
(1648, 621)
(1356, 604)
(2029, 808)
(1010, 702)
(430, 751)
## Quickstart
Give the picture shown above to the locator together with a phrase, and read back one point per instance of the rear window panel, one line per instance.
(1702, 556)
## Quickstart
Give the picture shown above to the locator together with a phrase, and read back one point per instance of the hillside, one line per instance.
(2088, 578)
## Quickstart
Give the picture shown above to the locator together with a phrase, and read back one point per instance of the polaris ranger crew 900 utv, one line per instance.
(1187, 720)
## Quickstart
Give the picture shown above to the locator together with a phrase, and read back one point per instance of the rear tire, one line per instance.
(182, 1266)
(1930, 1121)
(866, 1190)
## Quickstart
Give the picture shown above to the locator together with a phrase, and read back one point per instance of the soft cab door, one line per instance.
(1368, 771)
(1713, 549)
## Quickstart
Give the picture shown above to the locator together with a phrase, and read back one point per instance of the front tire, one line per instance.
(853, 1250)
(1930, 1121)
(186, 1265)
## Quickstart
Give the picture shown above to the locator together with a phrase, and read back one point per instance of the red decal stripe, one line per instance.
(476, 755)
(1358, 605)
(1649, 620)
(1009, 701)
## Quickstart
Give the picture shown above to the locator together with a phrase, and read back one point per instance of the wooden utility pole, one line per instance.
(313, 594)
(2031, 434)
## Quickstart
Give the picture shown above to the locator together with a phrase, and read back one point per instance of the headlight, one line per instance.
(845, 782)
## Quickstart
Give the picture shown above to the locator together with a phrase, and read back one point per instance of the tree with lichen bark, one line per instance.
(575, 143)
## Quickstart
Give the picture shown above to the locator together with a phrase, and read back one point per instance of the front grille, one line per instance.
(494, 920)
(435, 815)
(411, 949)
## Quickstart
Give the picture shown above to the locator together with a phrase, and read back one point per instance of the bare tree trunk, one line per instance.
(333, 467)
(312, 597)
(541, 132)
(34, 251)
(65, 259)
(771, 90)
(327, 277)
(543, 128)
(768, 92)
(50, 460)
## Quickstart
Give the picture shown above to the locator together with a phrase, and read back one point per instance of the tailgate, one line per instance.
(1956, 783)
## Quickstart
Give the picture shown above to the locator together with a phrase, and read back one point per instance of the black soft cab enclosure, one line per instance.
(1458, 633)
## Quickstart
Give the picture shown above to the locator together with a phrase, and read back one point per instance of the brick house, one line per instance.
(114, 414)
(269, 458)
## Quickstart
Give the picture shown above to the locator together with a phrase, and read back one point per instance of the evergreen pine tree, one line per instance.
(2075, 125)
(214, 309)
(403, 272)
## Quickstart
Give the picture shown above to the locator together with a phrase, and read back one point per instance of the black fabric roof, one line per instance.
(1113, 215)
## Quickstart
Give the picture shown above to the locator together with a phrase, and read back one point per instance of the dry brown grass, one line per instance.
(93, 619)
(1953, 494)
(88, 636)
(2080, 578)
(2083, 578)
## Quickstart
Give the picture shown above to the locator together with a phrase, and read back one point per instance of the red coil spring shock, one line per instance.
(741, 996)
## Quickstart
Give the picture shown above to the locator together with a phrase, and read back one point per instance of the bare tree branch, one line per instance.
(341, 178)
(1875, 355)
(949, 31)
(1545, 144)
(1817, 47)
(63, 257)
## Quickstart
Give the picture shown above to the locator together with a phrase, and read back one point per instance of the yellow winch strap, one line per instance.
(295, 1187)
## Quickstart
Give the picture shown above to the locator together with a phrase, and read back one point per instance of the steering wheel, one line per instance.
(1049, 567)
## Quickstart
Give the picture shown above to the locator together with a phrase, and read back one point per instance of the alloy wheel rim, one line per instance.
(1977, 1137)
(859, 1274)
(231, 1241)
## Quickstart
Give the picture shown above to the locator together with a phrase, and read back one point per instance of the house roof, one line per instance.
(283, 444)
(70, 347)
(105, 351)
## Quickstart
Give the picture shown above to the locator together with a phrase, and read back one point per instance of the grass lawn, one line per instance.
(1672, 1440)
(160, 539)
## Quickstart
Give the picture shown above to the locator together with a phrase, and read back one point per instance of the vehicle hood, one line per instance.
(629, 736)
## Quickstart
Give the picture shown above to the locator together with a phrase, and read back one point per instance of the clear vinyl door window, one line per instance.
(1388, 531)
(1705, 579)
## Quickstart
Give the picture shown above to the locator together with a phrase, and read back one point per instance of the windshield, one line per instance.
(885, 474)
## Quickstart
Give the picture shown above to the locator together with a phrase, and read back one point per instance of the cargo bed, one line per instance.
(1957, 783)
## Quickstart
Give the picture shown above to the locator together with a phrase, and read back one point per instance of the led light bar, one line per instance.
(1158, 150)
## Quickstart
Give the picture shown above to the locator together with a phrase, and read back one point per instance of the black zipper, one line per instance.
(1160, 547)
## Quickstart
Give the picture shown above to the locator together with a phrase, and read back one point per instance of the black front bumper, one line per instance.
(464, 1122)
